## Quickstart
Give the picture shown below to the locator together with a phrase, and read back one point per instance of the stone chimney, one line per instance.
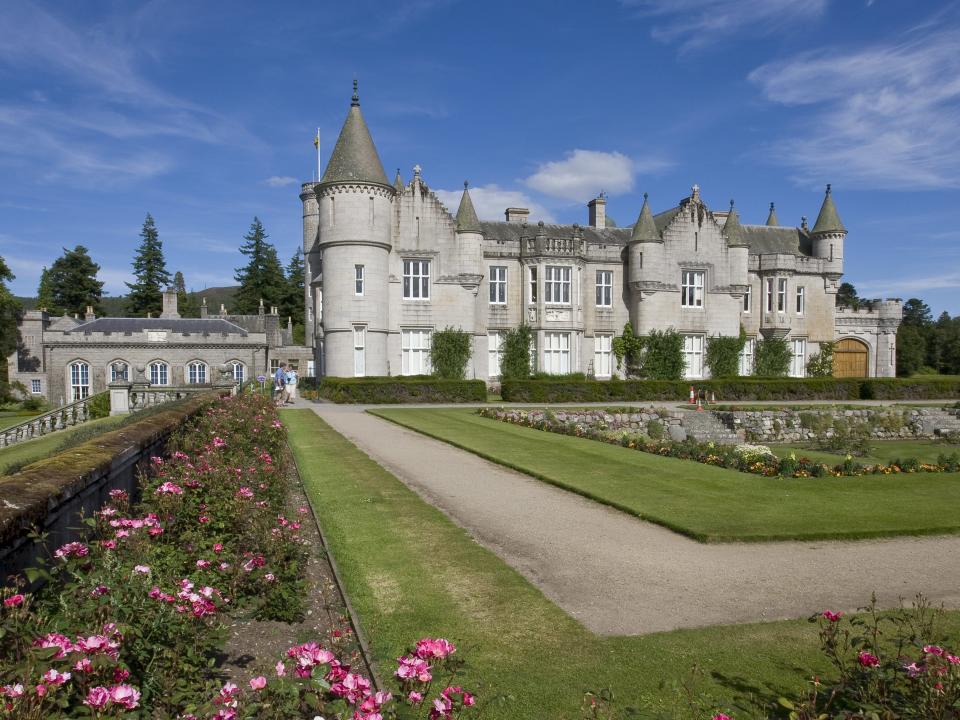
(89, 314)
(598, 211)
(203, 307)
(169, 304)
(517, 215)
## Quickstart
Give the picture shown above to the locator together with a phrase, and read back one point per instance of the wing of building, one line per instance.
(388, 265)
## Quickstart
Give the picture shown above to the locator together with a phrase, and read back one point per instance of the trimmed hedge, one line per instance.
(730, 389)
(411, 389)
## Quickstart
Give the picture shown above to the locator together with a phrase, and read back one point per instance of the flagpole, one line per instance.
(317, 143)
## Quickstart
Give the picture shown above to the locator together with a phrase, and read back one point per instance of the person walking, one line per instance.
(291, 384)
(279, 383)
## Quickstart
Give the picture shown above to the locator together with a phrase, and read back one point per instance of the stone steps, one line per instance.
(705, 427)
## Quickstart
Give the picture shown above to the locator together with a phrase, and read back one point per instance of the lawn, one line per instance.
(707, 503)
(881, 451)
(8, 419)
(410, 572)
(29, 451)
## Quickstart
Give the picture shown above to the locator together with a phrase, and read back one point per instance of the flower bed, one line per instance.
(128, 621)
(757, 460)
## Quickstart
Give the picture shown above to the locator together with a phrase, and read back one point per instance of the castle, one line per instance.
(387, 265)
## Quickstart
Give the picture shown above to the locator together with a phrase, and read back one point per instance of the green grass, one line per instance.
(23, 453)
(11, 419)
(410, 572)
(881, 451)
(707, 503)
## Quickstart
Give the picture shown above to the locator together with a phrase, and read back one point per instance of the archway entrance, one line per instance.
(850, 359)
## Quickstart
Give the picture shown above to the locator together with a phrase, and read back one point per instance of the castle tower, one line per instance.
(469, 236)
(355, 217)
(311, 257)
(645, 254)
(737, 247)
(828, 235)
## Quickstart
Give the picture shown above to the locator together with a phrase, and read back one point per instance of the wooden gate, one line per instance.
(850, 359)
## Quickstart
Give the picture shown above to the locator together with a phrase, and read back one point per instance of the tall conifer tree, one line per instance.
(73, 282)
(187, 304)
(45, 294)
(262, 277)
(293, 303)
(10, 310)
(150, 271)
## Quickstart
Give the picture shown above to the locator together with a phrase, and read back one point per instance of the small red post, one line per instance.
(693, 395)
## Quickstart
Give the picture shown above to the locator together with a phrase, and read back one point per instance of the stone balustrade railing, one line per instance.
(65, 416)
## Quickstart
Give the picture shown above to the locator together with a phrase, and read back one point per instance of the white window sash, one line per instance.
(494, 353)
(602, 355)
(781, 295)
(498, 284)
(604, 288)
(358, 279)
(747, 300)
(416, 279)
(691, 288)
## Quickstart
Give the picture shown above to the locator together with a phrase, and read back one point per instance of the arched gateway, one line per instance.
(850, 358)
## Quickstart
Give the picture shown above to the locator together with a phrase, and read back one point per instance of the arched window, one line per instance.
(159, 373)
(119, 371)
(238, 371)
(197, 373)
(79, 381)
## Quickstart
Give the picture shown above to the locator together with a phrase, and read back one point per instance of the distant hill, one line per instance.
(114, 305)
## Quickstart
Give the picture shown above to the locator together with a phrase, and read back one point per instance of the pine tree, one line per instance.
(73, 282)
(150, 271)
(847, 296)
(10, 310)
(187, 304)
(293, 303)
(45, 294)
(262, 278)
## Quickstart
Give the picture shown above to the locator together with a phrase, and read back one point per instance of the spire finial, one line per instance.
(771, 207)
(465, 183)
(355, 100)
(828, 189)
(645, 197)
(731, 203)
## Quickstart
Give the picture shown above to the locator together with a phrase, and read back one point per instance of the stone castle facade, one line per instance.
(388, 265)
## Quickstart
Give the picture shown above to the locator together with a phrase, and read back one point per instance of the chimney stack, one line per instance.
(517, 215)
(169, 304)
(203, 308)
(598, 211)
(89, 315)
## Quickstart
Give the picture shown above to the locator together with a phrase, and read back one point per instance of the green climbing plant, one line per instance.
(449, 353)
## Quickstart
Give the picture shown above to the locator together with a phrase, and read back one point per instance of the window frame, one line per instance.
(745, 359)
(801, 300)
(781, 296)
(421, 352)
(79, 380)
(693, 358)
(359, 350)
(238, 377)
(494, 353)
(798, 370)
(557, 360)
(112, 370)
(562, 284)
(359, 280)
(36, 387)
(532, 285)
(748, 300)
(769, 290)
(604, 288)
(163, 369)
(693, 289)
(603, 355)
(498, 284)
(416, 279)
(196, 372)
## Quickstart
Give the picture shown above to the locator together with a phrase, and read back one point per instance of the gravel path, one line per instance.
(619, 575)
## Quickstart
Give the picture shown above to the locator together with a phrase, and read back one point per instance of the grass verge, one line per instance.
(29, 451)
(709, 504)
(411, 572)
(881, 451)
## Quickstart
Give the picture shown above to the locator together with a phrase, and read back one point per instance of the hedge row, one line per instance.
(416, 389)
(732, 389)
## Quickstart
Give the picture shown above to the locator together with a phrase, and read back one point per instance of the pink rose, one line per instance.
(125, 695)
(14, 600)
(832, 616)
(258, 683)
(97, 698)
(868, 660)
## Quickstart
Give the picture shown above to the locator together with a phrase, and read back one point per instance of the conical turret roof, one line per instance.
(733, 229)
(398, 182)
(467, 220)
(354, 157)
(772, 217)
(828, 221)
(645, 229)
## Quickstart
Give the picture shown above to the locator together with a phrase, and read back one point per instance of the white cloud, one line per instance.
(880, 117)
(905, 286)
(280, 180)
(697, 23)
(582, 174)
(491, 200)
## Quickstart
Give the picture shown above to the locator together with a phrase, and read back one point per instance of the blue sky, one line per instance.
(203, 114)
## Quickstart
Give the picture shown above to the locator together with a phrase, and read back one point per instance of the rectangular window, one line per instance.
(602, 355)
(416, 279)
(35, 387)
(415, 351)
(693, 356)
(533, 284)
(556, 285)
(196, 374)
(604, 288)
(274, 366)
(311, 368)
(358, 279)
(556, 353)
(498, 285)
(781, 295)
(769, 301)
(119, 372)
(158, 374)
(359, 350)
(691, 289)
(746, 358)
(747, 299)
(494, 353)
(801, 300)
(798, 358)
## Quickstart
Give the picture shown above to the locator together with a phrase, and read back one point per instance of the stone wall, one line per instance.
(628, 419)
(52, 495)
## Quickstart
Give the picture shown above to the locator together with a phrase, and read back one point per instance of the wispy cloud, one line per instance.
(102, 105)
(879, 117)
(280, 181)
(582, 174)
(905, 286)
(694, 24)
(490, 201)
